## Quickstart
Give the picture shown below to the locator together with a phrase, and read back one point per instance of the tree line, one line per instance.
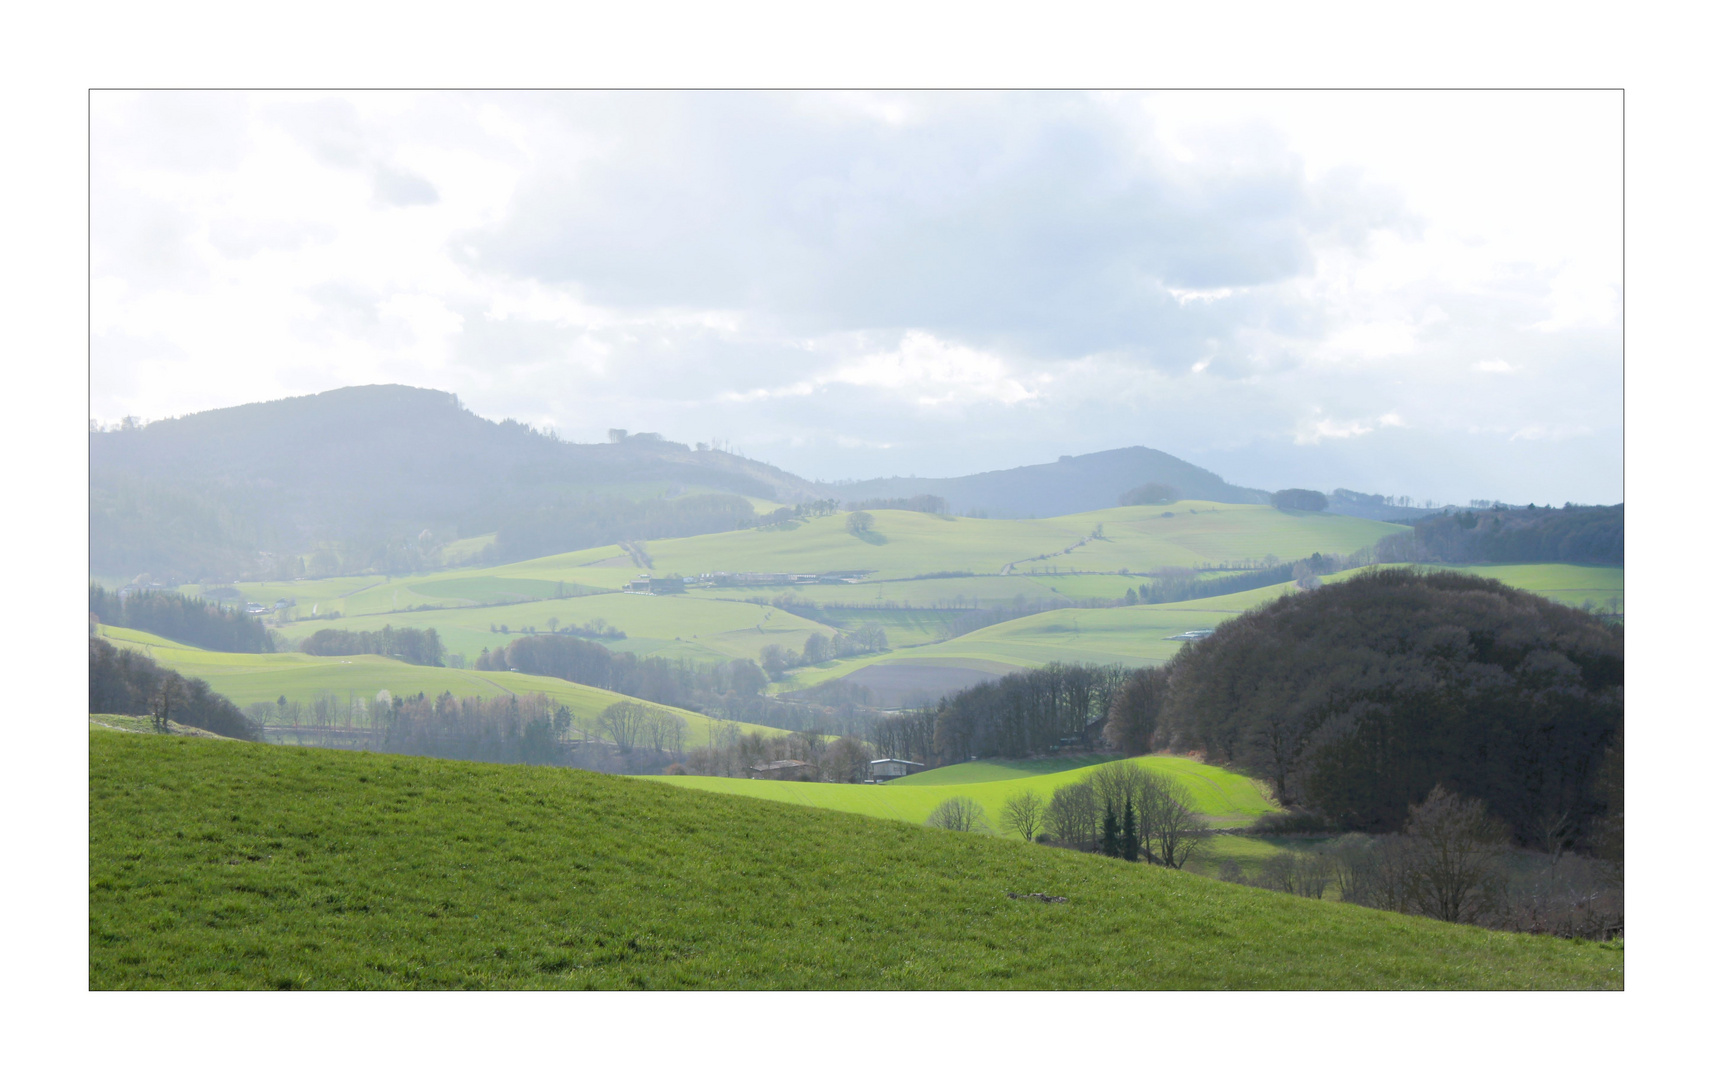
(776, 660)
(731, 690)
(411, 645)
(921, 504)
(1512, 534)
(1452, 860)
(1020, 714)
(1120, 810)
(127, 683)
(1355, 700)
(173, 615)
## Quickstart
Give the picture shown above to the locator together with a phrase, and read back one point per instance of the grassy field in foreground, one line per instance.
(227, 865)
(251, 677)
(1229, 800)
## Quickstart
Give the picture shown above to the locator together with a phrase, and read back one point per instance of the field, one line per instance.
(691, 627)
(1228, 800)
(251, 677)
(901, 545)
(473, 609)
(215, 864)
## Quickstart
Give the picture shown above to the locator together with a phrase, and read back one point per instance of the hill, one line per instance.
(1073, 484)
(248, 678)
(1228, 800)
(228, 865)
(1515, 534)
(360, 474)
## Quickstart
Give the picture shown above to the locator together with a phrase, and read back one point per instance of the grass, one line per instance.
(688, 627)
(225, 865)
(903, 545)
(247, 678)
(982, 772)
(714, 625)
(1229, 800)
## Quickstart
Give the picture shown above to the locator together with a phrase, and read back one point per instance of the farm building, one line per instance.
(891, 767)
(788, 769)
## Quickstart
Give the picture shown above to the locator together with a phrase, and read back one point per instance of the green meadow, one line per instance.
(1228, 800)
(900, 545)
(251, 677)
(224, 865)
(690, 627)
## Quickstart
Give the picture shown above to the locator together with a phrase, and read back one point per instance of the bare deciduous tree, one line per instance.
(1073, 815)
(1024, 813)
(959, 814)
(1455, 847)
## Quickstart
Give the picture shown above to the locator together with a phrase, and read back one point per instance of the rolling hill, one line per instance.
(247, 678)
(1071, 485)
(222, 865)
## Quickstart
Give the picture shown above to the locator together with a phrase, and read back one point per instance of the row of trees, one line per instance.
(411, 645)
(128, 683)
(1452, 861)
(776, 660)
(731, 690)
(181, 618)
(729, 751)
(1513, 534)
(921, 504)
(1121, 810)
(1025, 712)
(1356, 699)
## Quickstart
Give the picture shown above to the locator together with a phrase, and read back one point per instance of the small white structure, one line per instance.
(891, 768)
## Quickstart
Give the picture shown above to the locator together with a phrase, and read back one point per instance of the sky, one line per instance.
(1404, 293)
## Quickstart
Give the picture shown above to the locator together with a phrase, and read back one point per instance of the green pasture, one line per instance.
(988, 590)
(994, 769)
(1137, 538)
(1228, 800)
(225, 865)
(247, 678)
(1565, 582)
(901, 545)
(687, 626)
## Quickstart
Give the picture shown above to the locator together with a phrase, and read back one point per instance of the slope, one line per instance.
(1228, 800)
(247, 678)
(228, 865)
(1070, 485)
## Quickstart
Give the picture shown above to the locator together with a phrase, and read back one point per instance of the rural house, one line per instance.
(788, 769)
(891, 768)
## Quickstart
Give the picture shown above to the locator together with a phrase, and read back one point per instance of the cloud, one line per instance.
(857, 284)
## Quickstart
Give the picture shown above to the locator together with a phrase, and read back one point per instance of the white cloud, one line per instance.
(1040, 274)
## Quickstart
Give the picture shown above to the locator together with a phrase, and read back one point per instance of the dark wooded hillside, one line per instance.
(1513, 534)
(180, 618)
(130, 684)
(1356, 699)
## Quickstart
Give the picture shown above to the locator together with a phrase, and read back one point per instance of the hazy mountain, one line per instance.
(378, 478)
(1067, 486)
(221, 494)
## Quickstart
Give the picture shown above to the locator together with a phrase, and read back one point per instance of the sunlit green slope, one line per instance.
(1228, 799)
(228, 865)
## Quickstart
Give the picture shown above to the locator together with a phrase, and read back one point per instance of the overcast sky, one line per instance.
(1395, 292)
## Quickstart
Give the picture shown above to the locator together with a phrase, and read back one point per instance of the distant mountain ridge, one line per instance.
(216, 495)
(376, 478)
(1070, 485)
